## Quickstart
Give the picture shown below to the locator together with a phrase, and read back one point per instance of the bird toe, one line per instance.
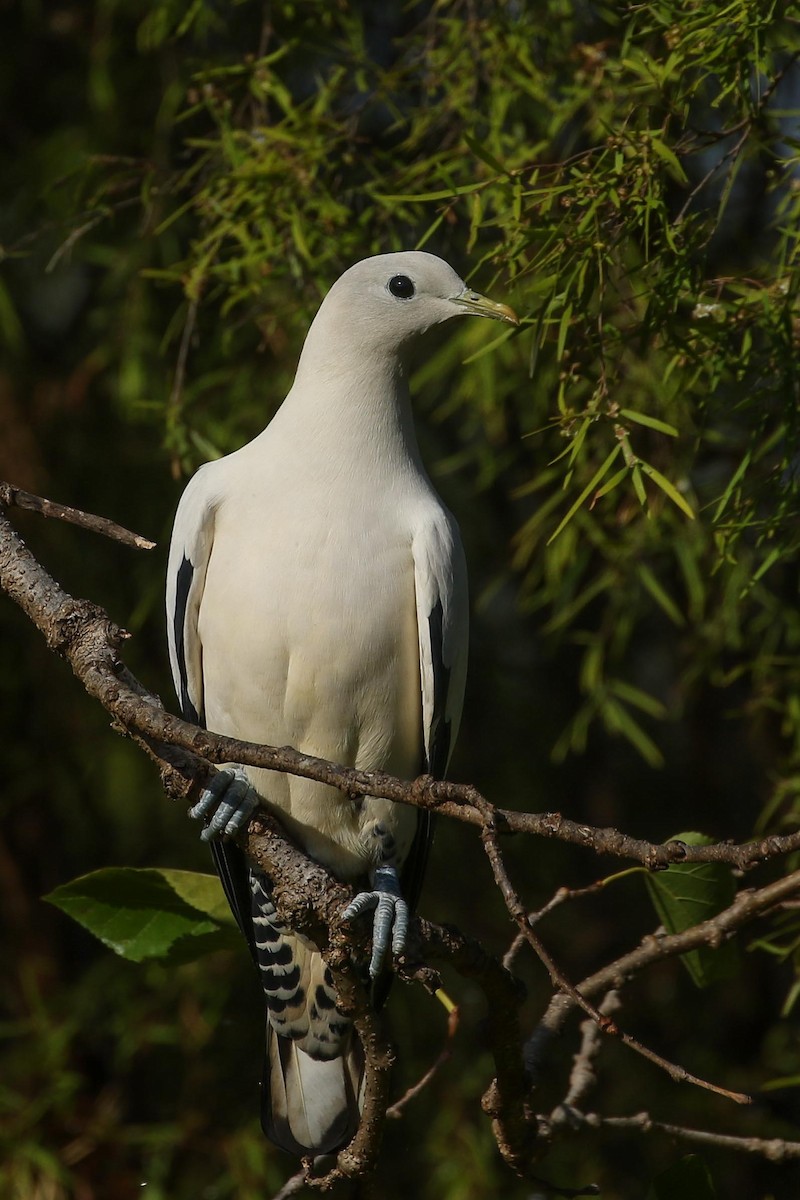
(390, 922)
(226, 804)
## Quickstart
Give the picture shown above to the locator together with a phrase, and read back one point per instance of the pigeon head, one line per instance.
(380, 304)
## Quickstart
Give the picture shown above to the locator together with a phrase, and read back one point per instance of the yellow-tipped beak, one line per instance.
(481, 306)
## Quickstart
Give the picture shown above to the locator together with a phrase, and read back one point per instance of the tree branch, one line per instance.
(83, 634)
(311, 900)
(775, 1150)
(16, 497)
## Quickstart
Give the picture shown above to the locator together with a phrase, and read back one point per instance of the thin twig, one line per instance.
(560, 981)
(520, 916)
(743, 128)
(396, 1109)
(776, 1150)
(76, 234)
(746, 906)
(582, 1077)
(561, 896)
(11, 496)
(292, 1186)
(679, 1074)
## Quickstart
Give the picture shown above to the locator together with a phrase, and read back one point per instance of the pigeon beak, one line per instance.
(476, 305)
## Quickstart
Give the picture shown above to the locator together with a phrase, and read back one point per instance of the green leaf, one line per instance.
(688, 893)
(490, 346)
(601, 471)
(688, 1179)
(200, 891)
(620, 721)
(140, 914)
(563, 330)
(661, 597)
(486, 156)
(650, 422)
(670, 158)
(780, 1082)
(735, 479)
(639, 699)
(638, 484)
(421, 197)
(668, 488)
(609, 485)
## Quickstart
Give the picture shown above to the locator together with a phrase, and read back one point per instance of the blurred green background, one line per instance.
(180, 185)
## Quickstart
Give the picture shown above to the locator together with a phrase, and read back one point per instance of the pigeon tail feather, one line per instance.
(309, 1105)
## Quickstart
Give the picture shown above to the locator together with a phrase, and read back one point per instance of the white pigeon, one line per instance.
(317, 597)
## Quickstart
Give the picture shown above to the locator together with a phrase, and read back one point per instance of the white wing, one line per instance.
(189, 552)
(442, 616)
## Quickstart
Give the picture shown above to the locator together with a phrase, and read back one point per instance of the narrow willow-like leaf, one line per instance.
(639, 699)
(735, 479)
(619, 720)
(486, 156)
(609, 485)
(661, 597)
(490, 346)
(563, 330)
(670, 158)
(638, 484)
(599, 474)
(668, 489)
(650, 422)
(783, 1081)
(421, 197)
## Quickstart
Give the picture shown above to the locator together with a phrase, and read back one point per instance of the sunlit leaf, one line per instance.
(599, 474)
(670, 158)
(668, 488)
(651, 422)
(150, 913)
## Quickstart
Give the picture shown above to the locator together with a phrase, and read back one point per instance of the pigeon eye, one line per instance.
(402, 287)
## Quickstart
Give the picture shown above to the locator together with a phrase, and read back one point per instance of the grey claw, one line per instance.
(229, 800)
(391, 916)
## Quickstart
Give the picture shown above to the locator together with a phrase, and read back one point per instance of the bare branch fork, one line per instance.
(311, 900)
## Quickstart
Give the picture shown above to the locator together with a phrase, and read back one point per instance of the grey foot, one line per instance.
(391, 916)
(228, 802)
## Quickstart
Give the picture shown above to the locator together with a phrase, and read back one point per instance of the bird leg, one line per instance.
(228, 801)
(391, 915)
(227, 804)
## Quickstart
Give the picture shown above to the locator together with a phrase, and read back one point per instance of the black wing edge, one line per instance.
(183, 584)
(434, 763)
(229, 861)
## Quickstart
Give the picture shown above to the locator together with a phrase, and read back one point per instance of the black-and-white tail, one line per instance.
(313, 1082)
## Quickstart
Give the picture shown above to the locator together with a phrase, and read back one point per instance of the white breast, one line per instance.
(309, 638)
